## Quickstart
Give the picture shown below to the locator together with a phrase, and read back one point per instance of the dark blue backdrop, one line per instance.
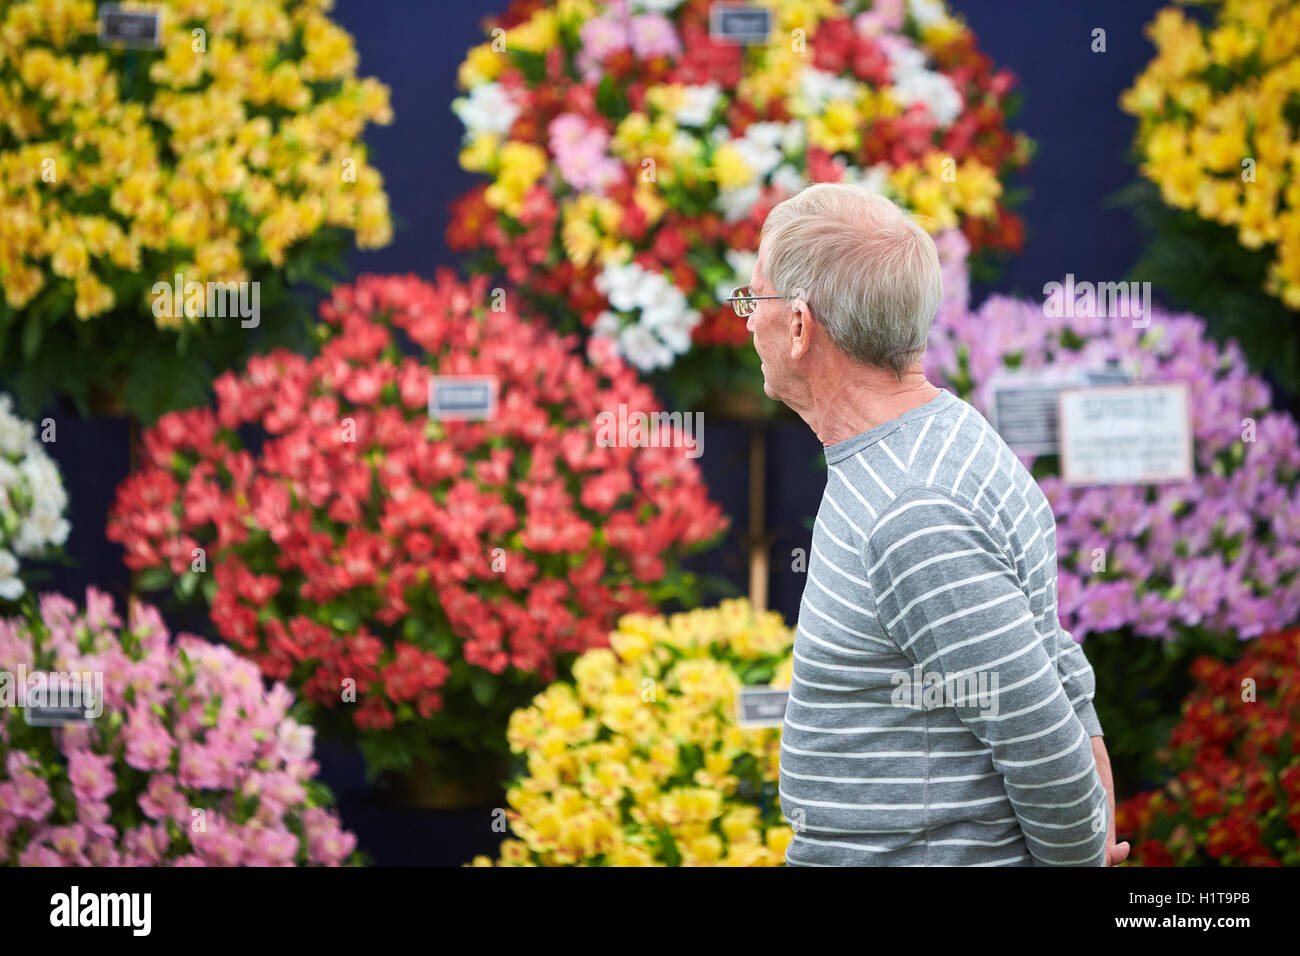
(1070, 110)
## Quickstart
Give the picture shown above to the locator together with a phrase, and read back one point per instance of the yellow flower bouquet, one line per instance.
(641, 760)
(153, 198)
(1218, 110)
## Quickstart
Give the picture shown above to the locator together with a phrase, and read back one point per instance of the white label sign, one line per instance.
(1126, 434)
(1023, 404)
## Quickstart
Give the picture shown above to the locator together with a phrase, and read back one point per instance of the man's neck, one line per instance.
(850, 406)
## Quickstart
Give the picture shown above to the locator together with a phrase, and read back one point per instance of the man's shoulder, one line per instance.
(924, 519)
(953, 459)
(920, 503)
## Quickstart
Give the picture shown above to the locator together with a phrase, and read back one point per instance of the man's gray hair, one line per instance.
(866, 268)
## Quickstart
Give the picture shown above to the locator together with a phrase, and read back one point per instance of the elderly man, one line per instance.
(939, 714)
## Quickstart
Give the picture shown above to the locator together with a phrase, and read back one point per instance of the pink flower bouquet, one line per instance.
(189, 762)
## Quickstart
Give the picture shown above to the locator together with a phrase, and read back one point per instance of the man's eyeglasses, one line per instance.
(742, 300)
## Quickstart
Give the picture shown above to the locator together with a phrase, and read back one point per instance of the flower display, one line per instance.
(1234, 795)
(632, 156)
(32, 500)
(190, 762)
(442, 570)
(231, 154)
(1220, 552)
(640, 761)
(1217, 129)
(1197, 565)
(1217, 149)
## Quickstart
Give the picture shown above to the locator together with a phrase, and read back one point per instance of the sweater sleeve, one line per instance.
(947, 595)
(1078, 679)
(1076, 673)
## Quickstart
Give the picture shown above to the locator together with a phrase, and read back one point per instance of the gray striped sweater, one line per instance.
(939, 714)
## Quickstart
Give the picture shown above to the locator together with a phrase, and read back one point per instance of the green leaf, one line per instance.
(532, 65)
(609, 99)
(691, 757)
(160, 381)
(483, 686)
(344, 618)
(443, 644)
(668, 847)
(154, 579)
(760, 672)
(32, 333)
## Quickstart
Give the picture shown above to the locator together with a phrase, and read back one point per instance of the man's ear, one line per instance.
(801, 326)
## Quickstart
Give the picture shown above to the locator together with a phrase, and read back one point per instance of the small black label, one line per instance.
(137, 29)
(1111, 375)
(454, 397)
(43, 716)
(762, 706)
(740, 23)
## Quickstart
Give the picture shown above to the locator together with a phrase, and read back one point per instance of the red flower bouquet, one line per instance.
(1235, 795)
(415, 579)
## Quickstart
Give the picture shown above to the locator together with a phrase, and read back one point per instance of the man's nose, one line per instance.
(749, 323)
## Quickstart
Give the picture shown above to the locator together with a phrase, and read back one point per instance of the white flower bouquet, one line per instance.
(32, 500)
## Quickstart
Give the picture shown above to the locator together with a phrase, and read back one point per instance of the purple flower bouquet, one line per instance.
(1199, 565)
